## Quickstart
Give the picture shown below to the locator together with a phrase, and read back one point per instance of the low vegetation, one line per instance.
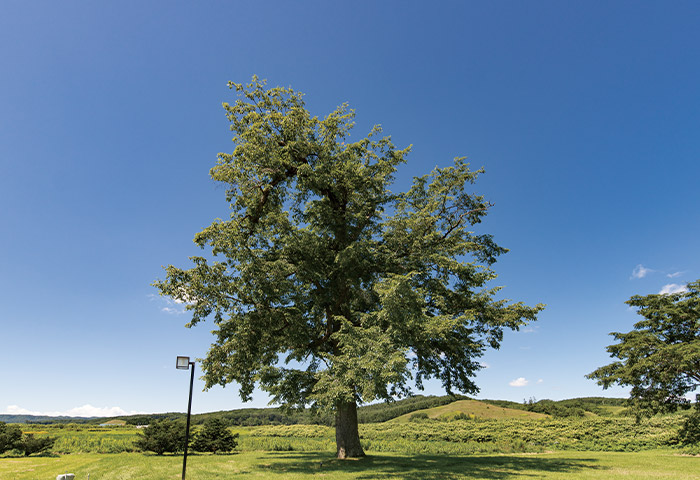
(446, 434)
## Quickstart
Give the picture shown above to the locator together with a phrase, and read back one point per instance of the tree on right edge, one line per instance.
(660, 357)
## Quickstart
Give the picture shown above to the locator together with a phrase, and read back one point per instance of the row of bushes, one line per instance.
(165, 436)
(428, 436)
(12, 438)
(169, 436)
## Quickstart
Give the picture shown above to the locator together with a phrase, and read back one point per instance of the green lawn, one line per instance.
(655, 464)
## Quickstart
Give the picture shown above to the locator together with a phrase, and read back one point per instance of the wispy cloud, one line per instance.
(518, 382)
(640, 271)
(84, 411)
(540, 381)
(674, 274)
(172, 311)
(673, 288)
(168, 305)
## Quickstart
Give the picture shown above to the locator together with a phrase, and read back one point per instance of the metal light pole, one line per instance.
(183, 363)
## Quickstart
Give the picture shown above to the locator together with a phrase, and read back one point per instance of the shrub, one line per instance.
(162, 436)
(214, 437)
(418, 417)
(689, 433)
(31, 444)
(10, 437)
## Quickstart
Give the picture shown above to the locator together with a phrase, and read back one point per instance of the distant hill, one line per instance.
(445, 405)
(379, 412)
(472, 409)
(114, 423)
(7, 418)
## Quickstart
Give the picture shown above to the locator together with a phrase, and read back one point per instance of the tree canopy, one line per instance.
(660, 357)
(328, 289)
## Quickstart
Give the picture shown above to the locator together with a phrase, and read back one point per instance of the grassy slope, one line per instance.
(300, 466)
(473, 408)
(613, 410)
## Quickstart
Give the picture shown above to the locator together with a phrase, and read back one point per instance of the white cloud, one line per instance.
(540, 381)
(172, 311)
(674, 274)
(84, 411)
(485, 365)
(518, 382)
(640, 271)
(673, 288)
(169, 305)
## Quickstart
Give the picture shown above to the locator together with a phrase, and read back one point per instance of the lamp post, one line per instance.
(183, 363)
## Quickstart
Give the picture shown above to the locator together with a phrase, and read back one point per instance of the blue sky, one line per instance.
(585, 116)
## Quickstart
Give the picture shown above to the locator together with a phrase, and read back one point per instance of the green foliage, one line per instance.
(461, 416)
(214, 437)
(431, 437)
(689, 433)
(660, 358)
(481, 436)
(162, 436)
(575, 407)
(31, 444)
(418, 417)
(10, 437)
(550, 407)
(88, 438)
(326, 267)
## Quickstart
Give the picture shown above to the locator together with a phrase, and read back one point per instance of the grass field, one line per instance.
(472, 408)
(511, 446)
(655, 464)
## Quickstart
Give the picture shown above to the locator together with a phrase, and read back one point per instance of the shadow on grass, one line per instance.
(491, 467)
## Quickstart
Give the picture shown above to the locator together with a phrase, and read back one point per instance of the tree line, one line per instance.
(379, 412)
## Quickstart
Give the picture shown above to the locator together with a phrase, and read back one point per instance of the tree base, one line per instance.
(347, 436)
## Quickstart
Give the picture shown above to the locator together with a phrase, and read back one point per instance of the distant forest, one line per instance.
(376, 413)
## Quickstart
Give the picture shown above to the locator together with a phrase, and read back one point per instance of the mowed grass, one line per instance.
(472, 408)
(655, 464)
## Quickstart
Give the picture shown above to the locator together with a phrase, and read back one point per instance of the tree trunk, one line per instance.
(347, 437)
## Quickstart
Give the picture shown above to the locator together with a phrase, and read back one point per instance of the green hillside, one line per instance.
(431, 406)
(573, 407)
(472, 409)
